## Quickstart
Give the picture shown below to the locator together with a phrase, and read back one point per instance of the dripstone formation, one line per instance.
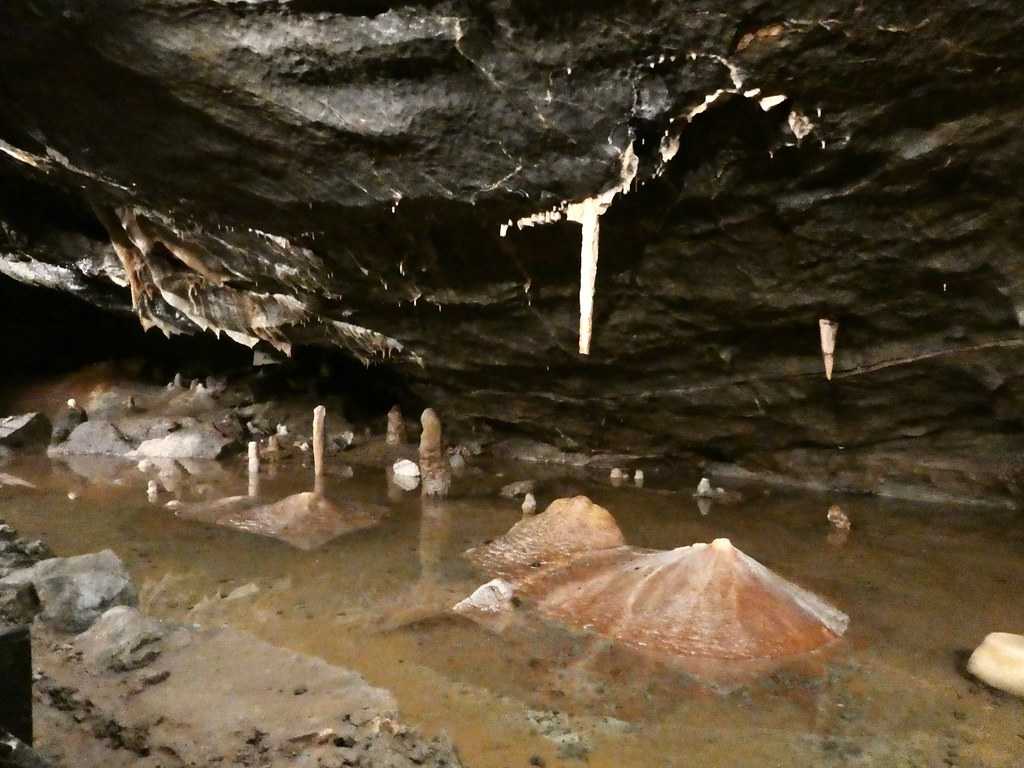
(474, 192)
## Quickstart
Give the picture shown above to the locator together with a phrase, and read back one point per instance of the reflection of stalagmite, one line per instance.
(304, 520)
(396, 426)
(435, 473)
(568, 527)
(705, 600)
(829, 329)
(431, 595)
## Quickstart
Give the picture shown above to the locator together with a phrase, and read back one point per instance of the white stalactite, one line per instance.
(829, 329)
(588, 215)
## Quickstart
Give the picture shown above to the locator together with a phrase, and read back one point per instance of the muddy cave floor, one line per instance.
(922, 585)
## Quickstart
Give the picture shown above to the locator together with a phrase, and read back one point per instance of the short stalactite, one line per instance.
(829, 330)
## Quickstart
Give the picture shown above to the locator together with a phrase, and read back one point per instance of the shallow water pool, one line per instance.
(922, 586)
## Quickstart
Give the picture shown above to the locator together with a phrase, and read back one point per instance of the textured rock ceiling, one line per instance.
(329, 172)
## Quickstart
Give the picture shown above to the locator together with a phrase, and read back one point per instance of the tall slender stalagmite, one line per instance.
(319, 443)
(435, 474)
(254, 469)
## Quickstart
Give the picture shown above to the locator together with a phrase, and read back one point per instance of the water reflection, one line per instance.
(920, 584)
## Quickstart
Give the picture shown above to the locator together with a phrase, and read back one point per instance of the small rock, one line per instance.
(406, 468)
(518, 488)
(120, 640)
(25, 431)
(246, 590)
(493, 597)
(999, 662)
(18, 604)
(66, 422)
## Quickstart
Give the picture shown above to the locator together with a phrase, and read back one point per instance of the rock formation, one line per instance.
(435, 471)
(567, 528)
(706, 600)
(396, 427)
(999, 662)
(297, 173)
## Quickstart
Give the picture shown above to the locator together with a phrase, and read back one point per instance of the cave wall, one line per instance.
(318, 172)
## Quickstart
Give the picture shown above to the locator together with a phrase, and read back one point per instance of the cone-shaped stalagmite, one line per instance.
(567, 528)
(706, 600)
(435, 473)
(829, 329)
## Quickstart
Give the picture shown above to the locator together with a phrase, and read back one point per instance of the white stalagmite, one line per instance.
(319, 440)
(254, 469)
(829, 329)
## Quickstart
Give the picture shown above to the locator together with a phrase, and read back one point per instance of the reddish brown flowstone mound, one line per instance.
(708, 601)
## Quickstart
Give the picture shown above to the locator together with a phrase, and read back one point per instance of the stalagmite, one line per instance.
(434, 469)
(638, 478)
(529, 505)
(567, 528)
(254, 469)
(706, 601)
(319, 445)
(319, 439)
(178, 382)
(152, 491)
(829, 329)
(396, 426)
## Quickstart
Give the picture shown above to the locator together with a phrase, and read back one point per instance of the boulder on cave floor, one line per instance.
(95, 437)
(25, 431)
(74, 591)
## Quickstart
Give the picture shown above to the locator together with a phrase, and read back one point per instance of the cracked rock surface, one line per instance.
(335, 173)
